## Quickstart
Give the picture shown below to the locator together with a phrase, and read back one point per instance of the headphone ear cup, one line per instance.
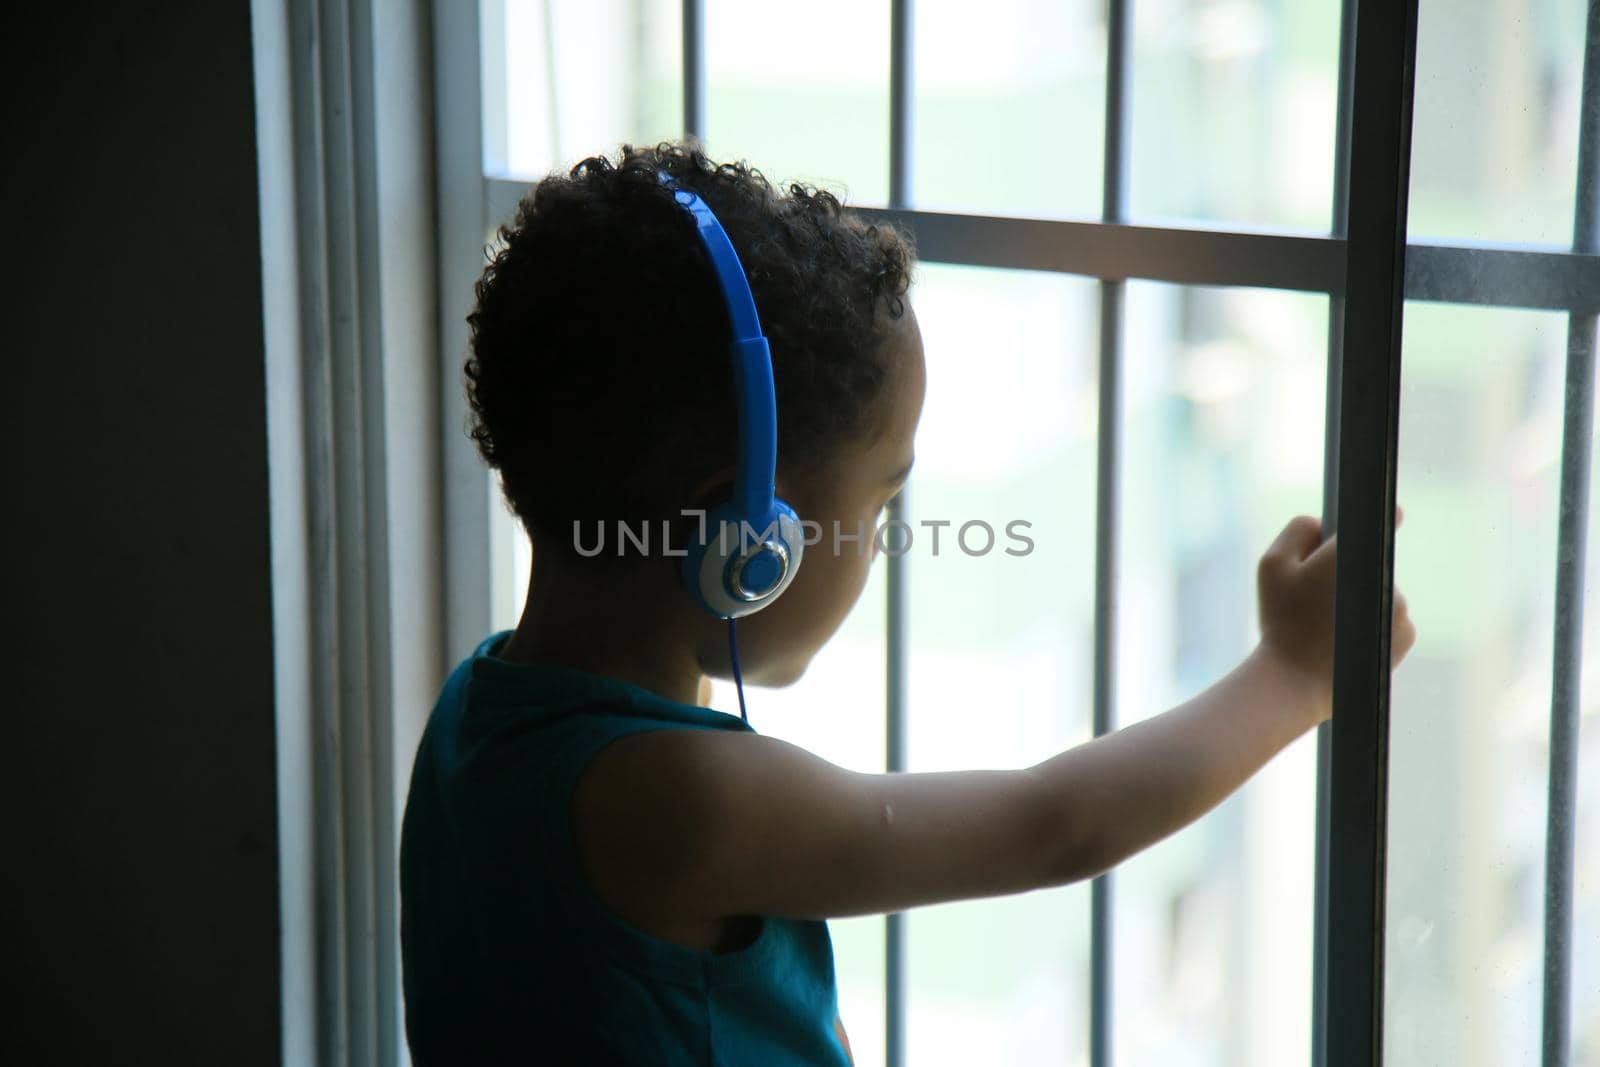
(740, 568)
(703, 564)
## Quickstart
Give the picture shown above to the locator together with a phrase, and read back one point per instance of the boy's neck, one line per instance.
(664, 678)
(589, 628)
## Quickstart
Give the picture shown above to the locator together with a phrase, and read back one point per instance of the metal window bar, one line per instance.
(464, 215)
(1113, 292)
(1572, 526)
(1504, 275)
(901, 87)
(1378, 187)
(694, 69)
(1340, 229)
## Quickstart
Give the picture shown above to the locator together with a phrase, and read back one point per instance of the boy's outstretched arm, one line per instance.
(706, 824)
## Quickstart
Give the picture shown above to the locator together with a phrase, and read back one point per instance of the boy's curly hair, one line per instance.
(600, 378)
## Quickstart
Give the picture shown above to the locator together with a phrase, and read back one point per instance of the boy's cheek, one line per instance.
(811, 610)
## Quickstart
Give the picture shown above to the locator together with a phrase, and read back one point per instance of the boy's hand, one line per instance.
(1295, 593)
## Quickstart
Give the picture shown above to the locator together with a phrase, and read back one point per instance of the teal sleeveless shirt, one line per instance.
(508, 957)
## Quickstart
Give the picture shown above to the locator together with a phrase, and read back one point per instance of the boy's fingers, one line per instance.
(1297, 540)
(1302, 537)
(1288, 531)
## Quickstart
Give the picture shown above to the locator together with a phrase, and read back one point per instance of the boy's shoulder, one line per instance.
(642, 813)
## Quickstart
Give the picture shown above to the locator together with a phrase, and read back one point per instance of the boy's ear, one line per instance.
(717, 487)
(708, 492)
(786, 489)
(712, 489)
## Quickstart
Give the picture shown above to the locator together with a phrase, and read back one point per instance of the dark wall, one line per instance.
(139, 909)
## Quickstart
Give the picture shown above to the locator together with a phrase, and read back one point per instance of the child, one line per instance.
(595, 868)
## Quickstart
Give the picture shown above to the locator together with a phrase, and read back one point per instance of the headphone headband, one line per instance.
(729, 576)
(757, 405)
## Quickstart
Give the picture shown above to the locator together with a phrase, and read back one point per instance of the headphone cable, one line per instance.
(738, 681)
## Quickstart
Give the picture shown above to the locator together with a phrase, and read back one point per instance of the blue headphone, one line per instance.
(748, 548)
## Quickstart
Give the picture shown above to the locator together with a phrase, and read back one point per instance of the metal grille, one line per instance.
(1368, 270)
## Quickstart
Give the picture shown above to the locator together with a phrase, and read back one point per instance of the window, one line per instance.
(1137, 225)
(1470, 741)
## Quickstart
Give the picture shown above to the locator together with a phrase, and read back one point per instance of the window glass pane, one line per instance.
(1479, 477)
(1495, 135)
(1001, 645)
(567, 79)
(510, 561)
(803, 95)
(1224, 399)
(1009, 108)
(1234, 111)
